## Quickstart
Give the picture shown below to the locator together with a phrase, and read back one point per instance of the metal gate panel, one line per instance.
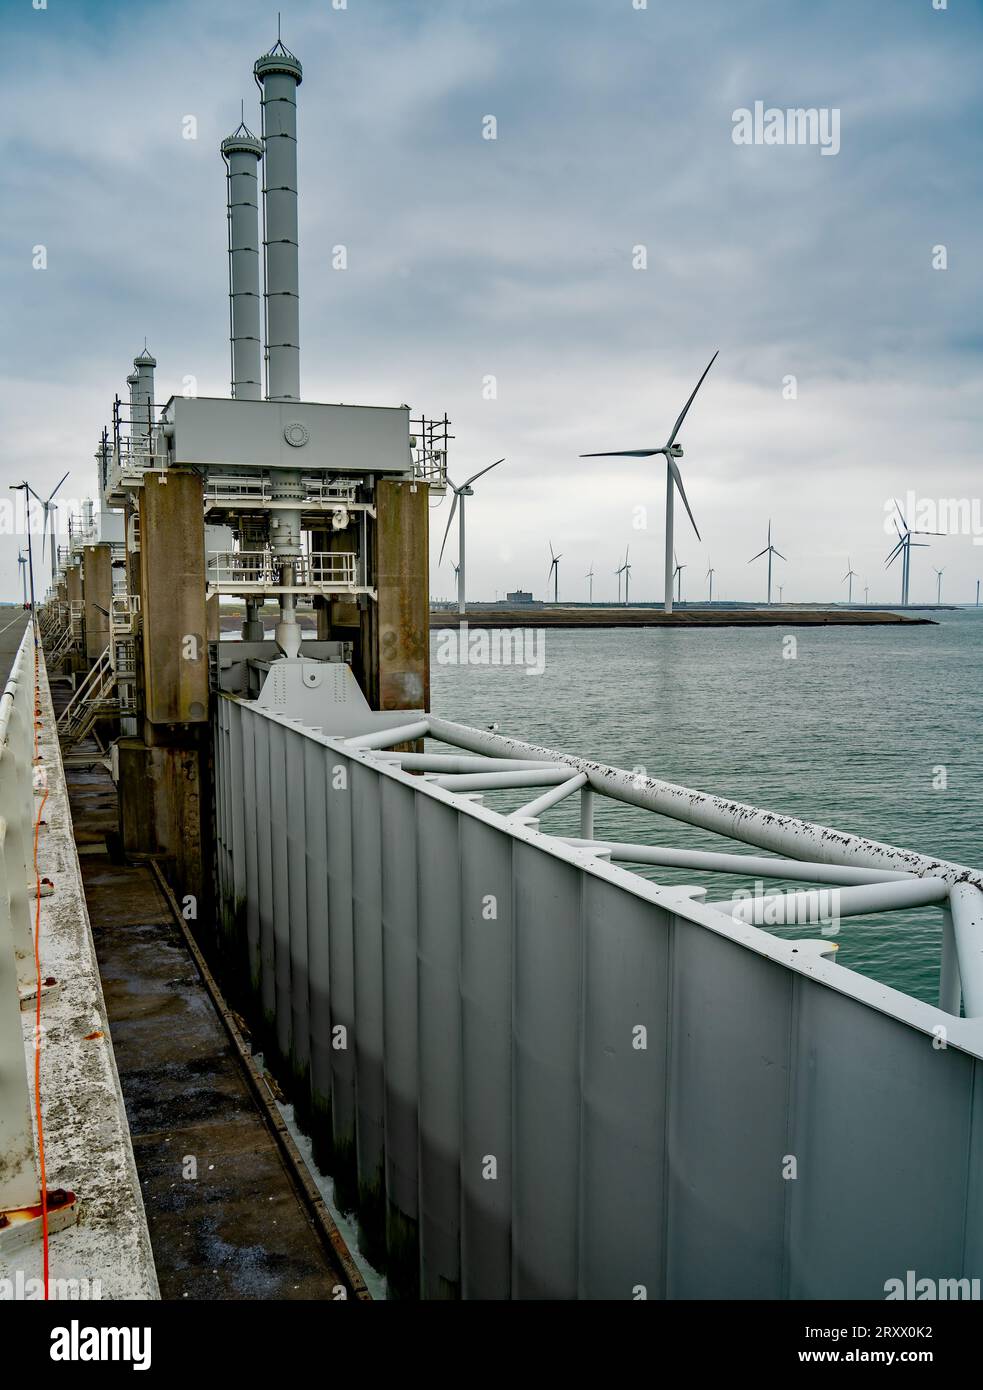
(863, 1142)
(547, 962)
(366, 850)
(341, 974)
(440, 1047)
(264, 872)
(486, 1057)
(728, 1078)
(319, 1022)
(248, 729)
(296, 826)
(626, 1011)
(281, 892)
(399, 990)
(236, 786)
(568, 1081)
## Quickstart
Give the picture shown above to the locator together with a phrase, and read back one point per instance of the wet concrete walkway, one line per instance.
(225, 1218)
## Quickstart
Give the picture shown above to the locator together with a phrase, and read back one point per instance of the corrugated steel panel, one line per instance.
(553, 1079)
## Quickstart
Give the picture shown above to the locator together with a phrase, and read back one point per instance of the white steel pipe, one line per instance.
(816, 904)
(550, 798)
(385, 738)
(736, 820)
(966, 907)
(460, 762)
(712, 861)
(502, 781)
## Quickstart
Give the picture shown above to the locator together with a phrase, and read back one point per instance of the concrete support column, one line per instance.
(172, 569)
(97, 589)
(163, 776)
(396, 629)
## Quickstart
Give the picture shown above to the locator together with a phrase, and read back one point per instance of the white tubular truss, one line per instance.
(866, 876)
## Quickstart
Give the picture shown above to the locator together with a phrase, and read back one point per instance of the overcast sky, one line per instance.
(513, 258)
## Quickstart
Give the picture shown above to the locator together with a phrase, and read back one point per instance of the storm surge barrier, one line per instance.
(533, 1073)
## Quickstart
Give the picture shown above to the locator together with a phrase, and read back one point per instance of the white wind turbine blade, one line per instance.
(758, 556)
(682, 492)
(481, 473)
(678, 425)
(780, 555)
(449, 520)
(623, 454)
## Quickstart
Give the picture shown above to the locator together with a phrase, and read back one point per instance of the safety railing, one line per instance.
(19, 1189)
(124, 615)
(429, 442)
(260, 571)
(256, 491)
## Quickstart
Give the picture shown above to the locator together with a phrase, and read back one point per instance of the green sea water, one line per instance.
(874, 730)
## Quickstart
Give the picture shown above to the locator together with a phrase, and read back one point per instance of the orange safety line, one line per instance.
(37, 1006)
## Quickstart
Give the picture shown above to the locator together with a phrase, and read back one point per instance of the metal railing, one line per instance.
(18, 1170)
(256, 491)
(259, 570)
(429, 440)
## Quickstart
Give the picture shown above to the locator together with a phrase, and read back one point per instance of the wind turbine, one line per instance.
(940, 573)
(849, 577)
(22, 562)
(677, 574)
(769, 550)
(671, 452)
(457, 571)
(554, 574)
(48, 508)
(903, 548)
(627, 569)
(866, 593)
(589, 576)
(709, 575)
(460, 493)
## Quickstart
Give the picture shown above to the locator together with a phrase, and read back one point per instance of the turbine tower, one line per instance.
(589, 576)
(554, 574)
(938, 592)
(623, 569)
(849, 577)
(769, 550)
(903, 548)
(671, 452)
(709, 575)
(22, 562)
(677, 574)
(460, 493)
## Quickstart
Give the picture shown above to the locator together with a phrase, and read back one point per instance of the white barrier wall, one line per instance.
(537, 1075)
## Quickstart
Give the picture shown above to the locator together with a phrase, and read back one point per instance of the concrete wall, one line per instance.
(172, 567)
(87, 1139)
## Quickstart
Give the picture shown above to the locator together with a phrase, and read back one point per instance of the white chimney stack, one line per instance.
(242, 152)
(278, 75)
